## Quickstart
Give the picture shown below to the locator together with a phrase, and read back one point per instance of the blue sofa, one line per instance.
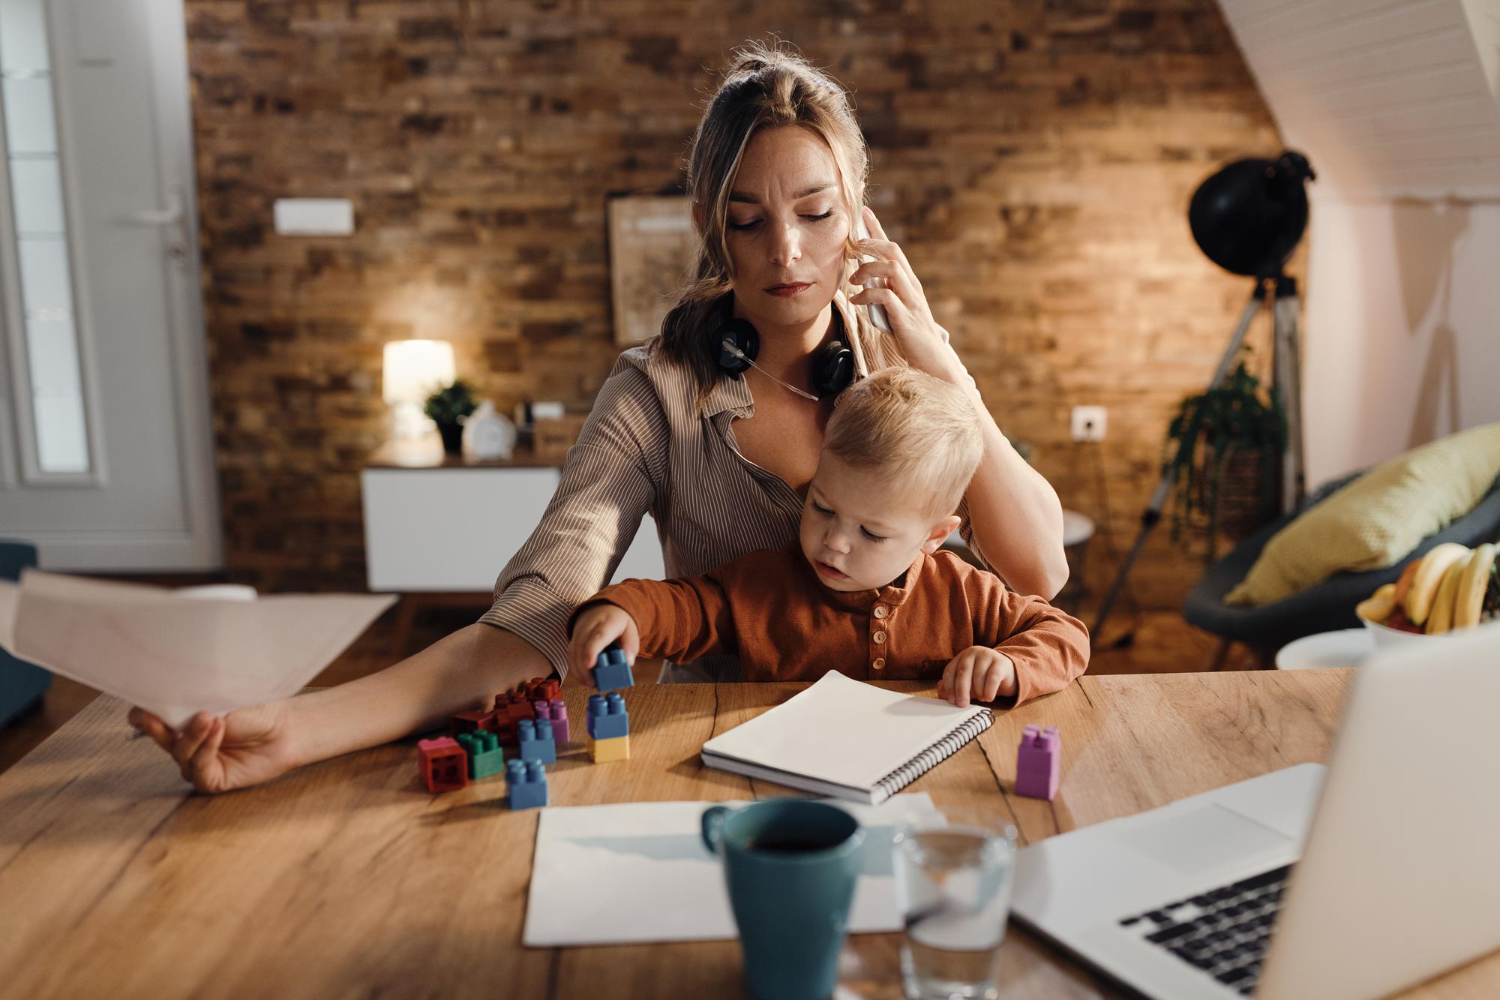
(21, 684)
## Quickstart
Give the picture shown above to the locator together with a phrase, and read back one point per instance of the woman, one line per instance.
(721, 462)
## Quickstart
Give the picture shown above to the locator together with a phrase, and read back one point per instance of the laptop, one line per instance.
(1341, 883)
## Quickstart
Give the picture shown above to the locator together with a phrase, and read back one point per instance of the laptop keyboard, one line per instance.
(1223, 932)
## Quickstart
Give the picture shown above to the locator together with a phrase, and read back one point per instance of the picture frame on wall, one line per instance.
(651, 248)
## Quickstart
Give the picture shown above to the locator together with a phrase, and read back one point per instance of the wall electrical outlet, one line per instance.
(1089, 423)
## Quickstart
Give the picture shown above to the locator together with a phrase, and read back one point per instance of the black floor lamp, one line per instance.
(1247, 218)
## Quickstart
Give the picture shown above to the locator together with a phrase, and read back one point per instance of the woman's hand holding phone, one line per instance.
(893, 294)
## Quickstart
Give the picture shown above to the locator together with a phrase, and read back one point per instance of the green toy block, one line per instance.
(485, 756)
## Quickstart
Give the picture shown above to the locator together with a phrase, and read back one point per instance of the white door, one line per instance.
(105, 442)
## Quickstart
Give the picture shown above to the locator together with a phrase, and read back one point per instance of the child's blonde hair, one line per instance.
(921, 431)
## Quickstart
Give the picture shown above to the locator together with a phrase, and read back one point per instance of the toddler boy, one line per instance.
(864, 590)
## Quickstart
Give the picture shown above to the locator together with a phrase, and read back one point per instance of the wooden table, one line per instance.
(346, 879)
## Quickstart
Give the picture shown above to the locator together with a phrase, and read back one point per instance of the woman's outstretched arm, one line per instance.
(250, 745)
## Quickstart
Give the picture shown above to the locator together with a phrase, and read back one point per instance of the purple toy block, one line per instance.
(1039, 763)
(555, 712)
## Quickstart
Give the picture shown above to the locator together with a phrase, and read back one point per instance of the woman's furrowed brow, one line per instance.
(750, 199)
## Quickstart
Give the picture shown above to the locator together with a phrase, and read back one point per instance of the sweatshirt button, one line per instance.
(878, 663)
(878, 637)
(880, 611)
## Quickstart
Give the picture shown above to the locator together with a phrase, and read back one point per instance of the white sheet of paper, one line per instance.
(211, 649)
(638, 872)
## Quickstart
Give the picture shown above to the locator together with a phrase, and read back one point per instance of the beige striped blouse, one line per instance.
(648, 448)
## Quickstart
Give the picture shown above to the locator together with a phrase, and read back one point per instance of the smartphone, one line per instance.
(877, 313)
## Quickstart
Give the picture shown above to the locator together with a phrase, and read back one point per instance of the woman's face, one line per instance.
(787, 227)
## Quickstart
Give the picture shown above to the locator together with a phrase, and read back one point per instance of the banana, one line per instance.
(1403, 582)
(1429, 575)
(1379, 605)
(1468, 602)
(1440, 618)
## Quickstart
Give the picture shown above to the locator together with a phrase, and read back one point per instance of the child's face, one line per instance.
(859, 531)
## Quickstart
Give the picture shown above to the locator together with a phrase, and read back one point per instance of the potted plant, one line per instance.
(1231, 482)
(447, 407)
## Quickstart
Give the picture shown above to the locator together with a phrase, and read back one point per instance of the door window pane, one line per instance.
(23, 36)
(29, 127)
(40, 227)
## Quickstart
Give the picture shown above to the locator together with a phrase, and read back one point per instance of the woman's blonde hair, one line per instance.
(764, 87)
(918, 430)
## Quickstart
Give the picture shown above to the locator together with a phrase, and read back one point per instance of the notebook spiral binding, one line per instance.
(935, 754)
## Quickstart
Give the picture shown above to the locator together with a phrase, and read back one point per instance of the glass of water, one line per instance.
(953, 879)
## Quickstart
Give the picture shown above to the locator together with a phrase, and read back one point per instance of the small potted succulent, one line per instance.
(447, 407)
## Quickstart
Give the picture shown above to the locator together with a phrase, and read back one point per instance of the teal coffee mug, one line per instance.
(790, 865)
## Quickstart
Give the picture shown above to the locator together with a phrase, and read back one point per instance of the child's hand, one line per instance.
(219, 753)
(593, 631)
(980, 672)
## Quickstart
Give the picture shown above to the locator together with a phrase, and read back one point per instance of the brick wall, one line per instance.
(1034, 160)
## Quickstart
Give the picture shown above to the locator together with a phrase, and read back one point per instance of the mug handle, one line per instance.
(713, 827)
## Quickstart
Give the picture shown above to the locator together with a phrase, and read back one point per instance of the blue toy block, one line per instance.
(536, 741)
(527, 783)
(612, 670)
(485, 756)
(607, 716)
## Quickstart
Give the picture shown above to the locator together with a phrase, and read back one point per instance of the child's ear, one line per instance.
(940, 532)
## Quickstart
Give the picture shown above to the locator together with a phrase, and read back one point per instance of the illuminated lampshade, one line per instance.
(415, 369)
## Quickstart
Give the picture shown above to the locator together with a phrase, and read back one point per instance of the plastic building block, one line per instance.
(468, 722)
(612, 671)
(514, 705)
(1038, 762)
(540, 689)
(527, 783)
(535, 741)
(485, 756)
(555, 712)
(607, 716)
(604, 751)
(443, 764)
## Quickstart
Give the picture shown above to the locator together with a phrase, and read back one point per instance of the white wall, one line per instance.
(1402, 327)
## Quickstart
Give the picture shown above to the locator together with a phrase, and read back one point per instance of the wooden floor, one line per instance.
(1161, 642)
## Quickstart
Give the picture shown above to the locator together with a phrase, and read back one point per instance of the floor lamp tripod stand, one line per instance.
(1247, 218)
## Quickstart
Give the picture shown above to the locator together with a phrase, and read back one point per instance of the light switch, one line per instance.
(314, 216)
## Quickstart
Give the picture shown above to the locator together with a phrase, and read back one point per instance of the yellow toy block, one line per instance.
(604, 751)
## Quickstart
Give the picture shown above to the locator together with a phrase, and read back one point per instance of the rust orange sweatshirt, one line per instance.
(770, 609)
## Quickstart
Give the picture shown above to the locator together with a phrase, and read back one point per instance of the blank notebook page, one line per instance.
(843, 731)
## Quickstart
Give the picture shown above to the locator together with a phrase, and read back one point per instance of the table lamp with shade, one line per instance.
(414, 370)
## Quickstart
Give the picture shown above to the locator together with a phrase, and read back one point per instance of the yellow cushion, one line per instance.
(1377, 519)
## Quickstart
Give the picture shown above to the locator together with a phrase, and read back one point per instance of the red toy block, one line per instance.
(443, 763)
(514, 705)
(540, 689)
(468, 722)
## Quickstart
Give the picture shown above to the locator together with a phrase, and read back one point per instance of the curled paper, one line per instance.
(175, 652)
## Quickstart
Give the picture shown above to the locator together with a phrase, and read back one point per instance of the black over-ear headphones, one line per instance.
(739, 344)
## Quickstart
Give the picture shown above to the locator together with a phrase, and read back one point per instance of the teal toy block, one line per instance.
(612, 670)
(536, 741)
(485, 756)
(527, 783)
(607, 716)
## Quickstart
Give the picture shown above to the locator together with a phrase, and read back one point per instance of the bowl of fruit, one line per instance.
(1448, 590)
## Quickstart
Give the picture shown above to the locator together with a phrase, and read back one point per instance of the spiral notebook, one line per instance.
(847, 740)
